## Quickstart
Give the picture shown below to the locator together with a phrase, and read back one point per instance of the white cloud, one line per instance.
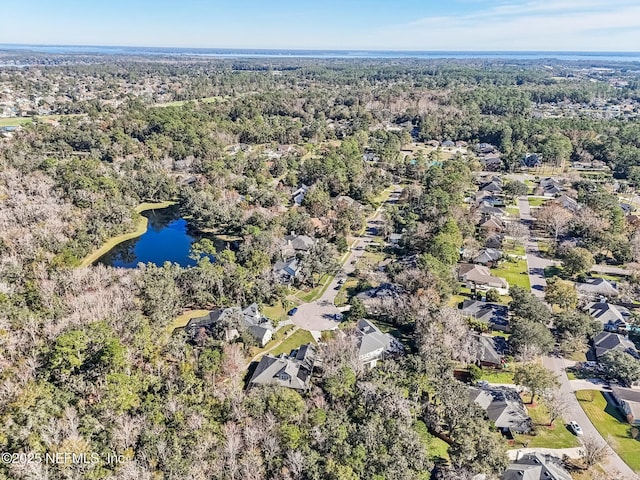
(533, 25)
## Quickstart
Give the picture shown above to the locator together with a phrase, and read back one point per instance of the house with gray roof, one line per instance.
(373, 344)
(504, 408)
(285, 271)
(295, 244)
(607, 341)
(290, 371)
(492, 187)
(376, 300)
(614, 318)
(532, 160)
(494, 315)
(298, 195)
(535, 466)
(628, 400)
(488, 256)
(230, 319)
(567, 202)
(597, 287)
(484, 349)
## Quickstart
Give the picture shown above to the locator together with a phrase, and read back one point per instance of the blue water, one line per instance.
(167, 239)
(293, 53)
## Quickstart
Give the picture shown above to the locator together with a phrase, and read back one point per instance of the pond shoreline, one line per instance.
(141, 227)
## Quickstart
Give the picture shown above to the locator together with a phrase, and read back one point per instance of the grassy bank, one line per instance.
(611, 425)
(140, 227)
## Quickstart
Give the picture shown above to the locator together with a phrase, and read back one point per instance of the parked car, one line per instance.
(338, 316)
(292, 311)
(575, 428)
(341, 281)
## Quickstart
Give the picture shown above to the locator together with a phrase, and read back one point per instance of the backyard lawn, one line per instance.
(513, 211)
(537, 201)
(611, 425)
(516, 273)
(498, 376)
(296, 339)
(556, 436)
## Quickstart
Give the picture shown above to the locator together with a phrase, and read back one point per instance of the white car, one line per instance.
(577, 429)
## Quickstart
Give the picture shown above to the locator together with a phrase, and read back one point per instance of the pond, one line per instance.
(168, 239)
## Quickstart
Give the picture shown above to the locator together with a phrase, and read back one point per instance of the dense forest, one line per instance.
(89, 360)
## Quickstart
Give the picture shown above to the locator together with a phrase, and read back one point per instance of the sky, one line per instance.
(427, 25)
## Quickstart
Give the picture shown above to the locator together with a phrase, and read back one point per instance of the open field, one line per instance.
(611, 425)
(14, 121)
(141, 227)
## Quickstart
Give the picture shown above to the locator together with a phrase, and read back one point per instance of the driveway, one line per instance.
(320, 315)
(535, 261)
(613, 464)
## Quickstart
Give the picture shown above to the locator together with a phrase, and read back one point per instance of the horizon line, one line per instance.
(317, 49)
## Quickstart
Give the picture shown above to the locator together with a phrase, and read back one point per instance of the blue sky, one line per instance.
(553, 25)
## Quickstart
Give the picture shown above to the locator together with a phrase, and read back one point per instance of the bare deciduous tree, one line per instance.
(593, 450)
(557, 404)
(554, 219)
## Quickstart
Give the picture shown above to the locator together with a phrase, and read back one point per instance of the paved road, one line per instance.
(614, 464)
(535, 261)
(320, 315)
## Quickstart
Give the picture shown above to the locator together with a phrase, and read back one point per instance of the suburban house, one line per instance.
(567, 202)
(285, 271)
(376, 300)
(607, 341)
(494, 315)
(395, 239)
(491, 163)
(257, 325)
(494, 241)
(627, 208)
(535, 466)
(487, 209)
(551, 187)
(346, 200)
(492, 187)
(532, 160)
(291, 371)
(628, 400)
(504, 408)
(614, 318)
(448, 144)
(488, 257)
(293, 244)
(484, 349)
(479, 277)
(492, 224)
(597, 287)
(298, 195)
(373, 344)
(485, 148)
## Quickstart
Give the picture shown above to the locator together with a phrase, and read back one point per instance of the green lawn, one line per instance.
(513, 211)
(536, 202)
(516, 273)
(298, 338)
(512, 247)
(346, 291)
(275, 312)
(14, 121)
(556, 436)
(610, 423)
(498, 376)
